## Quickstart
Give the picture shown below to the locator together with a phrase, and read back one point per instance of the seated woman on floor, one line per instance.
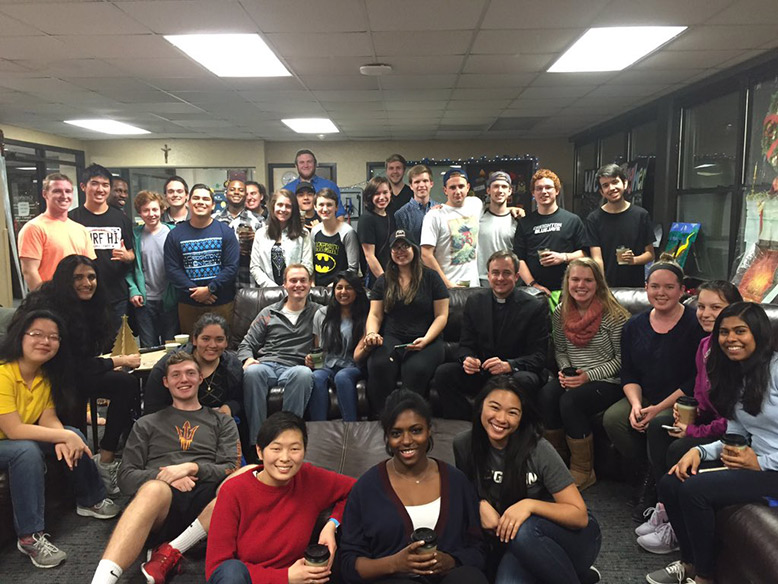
(587, 344)
(339, 329)
(666, 447)
(743, 372)
(408, 312)
(33, 366)
(75, 294)
(406, 493)
(529, 504)
(657, 367)
(263, 518)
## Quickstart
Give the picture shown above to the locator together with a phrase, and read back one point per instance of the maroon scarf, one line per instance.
(579, 330)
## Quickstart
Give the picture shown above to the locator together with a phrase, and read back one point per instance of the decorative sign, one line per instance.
(680, 240)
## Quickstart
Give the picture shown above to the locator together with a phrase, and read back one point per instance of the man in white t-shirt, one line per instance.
(449, 234)
(497, 227)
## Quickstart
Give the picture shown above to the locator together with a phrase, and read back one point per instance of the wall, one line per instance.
(14, 133)
(183, 153)
(352, 156)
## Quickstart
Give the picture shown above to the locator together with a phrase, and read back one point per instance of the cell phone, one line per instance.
(671, 428)
(402, 346)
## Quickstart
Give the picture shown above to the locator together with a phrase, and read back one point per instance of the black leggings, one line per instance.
(123, 391)
(664, 450)
(571, 409)
(413, 368)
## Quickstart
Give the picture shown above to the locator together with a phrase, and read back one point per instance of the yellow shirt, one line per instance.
(15, 396)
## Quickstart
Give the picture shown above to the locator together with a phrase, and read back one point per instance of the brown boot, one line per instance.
(582, 461)
(557, 440)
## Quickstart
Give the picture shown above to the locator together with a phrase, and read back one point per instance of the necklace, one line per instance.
(208, 381)
(422, 477)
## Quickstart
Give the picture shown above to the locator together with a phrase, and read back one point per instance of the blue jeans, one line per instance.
(230, 572)
(156, 325)
(25, 461)
(545, 552)
(345, 387)
(297, 381)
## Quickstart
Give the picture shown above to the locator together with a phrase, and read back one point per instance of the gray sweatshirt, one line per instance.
(273, 338)
(172, 436)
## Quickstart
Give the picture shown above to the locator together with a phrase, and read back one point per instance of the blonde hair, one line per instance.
(610, 305)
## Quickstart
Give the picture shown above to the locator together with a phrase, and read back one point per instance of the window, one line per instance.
(710, 141)
(613, 148)
(643, 140)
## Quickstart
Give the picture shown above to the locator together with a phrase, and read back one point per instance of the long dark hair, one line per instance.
(294, 227)
(87, 321)
(729, 378)
(58, 369)
(394, 293)
(331, 338)
(520, 444)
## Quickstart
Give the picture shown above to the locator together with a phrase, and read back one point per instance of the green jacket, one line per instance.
(137, 280)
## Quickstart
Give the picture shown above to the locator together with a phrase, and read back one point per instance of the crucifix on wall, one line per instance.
(166, 150)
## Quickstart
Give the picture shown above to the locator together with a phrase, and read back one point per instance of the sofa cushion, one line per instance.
(351, 448)
(745, 544)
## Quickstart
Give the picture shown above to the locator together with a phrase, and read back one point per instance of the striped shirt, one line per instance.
(601, 358)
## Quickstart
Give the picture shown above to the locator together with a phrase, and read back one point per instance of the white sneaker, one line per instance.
(661, 541)
(656, 517)
(105, 509)
(109, 472)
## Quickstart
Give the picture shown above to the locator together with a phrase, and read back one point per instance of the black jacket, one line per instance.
(523, 338)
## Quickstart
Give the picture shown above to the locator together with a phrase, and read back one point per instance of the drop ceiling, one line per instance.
(461, 68)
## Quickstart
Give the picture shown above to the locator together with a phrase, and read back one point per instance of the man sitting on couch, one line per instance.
(274, 349)
(504, 332)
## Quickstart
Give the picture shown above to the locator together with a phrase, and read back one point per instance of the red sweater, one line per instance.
(267, 528)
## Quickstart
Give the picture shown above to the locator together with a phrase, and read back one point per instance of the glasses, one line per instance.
(40, 335)
(401, 246)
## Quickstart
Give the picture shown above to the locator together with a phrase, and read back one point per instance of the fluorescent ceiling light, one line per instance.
(311, 125)
(613, 48)
(231, 55)
(107, 126)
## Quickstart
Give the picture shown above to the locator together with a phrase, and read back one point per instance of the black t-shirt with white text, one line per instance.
(107, 231)
(329, 257)
(561, 231)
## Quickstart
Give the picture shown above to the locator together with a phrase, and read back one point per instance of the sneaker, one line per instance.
(592, 576)
(661, 541)
(164, 561)
(105, 509)
(656, 517)
(42, 553)
(109, 472)
(672, 574)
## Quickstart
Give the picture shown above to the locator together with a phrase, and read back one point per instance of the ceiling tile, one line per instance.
(439, 64)
(660, 12)
(345, 44)
(543, 92)
(404, 15)
(486, 93)
(87, 18)
(118, 46)
(403, 42)
(310, 65)
(189, 16)
(504, 14)
(687, 59)
(708, 38)
(747, 12)
(317, 81)
(10, 27)
(417, 94)
(508, 64)
(292, 16)
(479, 104)
(430, 81)
(486, 80)
(514, 42)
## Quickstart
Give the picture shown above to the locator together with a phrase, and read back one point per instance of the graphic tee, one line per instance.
(108, 230)
(453, 232)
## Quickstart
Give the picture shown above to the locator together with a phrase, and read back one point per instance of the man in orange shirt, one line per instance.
(51, 236)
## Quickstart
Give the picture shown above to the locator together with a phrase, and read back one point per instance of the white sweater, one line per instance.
(296, 251)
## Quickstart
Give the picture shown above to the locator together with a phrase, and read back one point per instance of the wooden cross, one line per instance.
(166, 150)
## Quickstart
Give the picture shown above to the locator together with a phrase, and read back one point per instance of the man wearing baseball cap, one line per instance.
(449, 234)
(306, 194)
(497, 226)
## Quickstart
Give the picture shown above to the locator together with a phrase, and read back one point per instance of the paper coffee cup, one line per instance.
(428, 536)
(316, 555)
(687, 409)
(182, 339)
(734, 441)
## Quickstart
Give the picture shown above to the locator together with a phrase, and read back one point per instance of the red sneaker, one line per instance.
(164, 561)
